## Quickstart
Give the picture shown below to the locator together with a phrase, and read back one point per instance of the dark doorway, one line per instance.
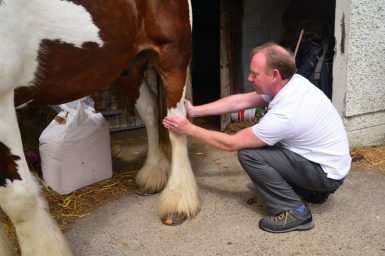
(314, 20)
(205, 67)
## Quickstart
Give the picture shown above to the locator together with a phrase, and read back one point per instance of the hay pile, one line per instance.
(233, 128)
(369, 158)
(78, 204)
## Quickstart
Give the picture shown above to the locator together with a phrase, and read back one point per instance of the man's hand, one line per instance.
(189, 108)
(179, 125)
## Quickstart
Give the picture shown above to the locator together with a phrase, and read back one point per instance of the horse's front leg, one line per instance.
(20, 198)
(180, 199)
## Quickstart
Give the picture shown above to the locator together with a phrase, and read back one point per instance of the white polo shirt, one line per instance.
(302, 119)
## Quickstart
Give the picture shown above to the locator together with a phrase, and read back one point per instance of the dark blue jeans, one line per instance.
(279, 173)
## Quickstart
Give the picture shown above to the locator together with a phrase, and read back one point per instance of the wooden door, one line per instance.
(230, 50)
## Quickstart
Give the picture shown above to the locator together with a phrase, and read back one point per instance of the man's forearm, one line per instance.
(232, 103)
(214, 139)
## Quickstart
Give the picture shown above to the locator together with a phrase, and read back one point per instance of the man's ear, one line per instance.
(276, 74)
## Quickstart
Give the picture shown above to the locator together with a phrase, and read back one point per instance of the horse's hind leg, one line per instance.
(20, 198)
(153, 176)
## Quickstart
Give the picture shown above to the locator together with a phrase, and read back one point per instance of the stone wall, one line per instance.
(359, 69)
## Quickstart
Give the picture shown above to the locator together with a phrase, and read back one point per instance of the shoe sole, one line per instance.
(303, 227)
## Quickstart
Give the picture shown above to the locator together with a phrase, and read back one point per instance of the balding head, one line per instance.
(278, 58)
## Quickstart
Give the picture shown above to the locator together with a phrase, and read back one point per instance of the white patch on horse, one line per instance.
(49, 19)
(179, 108)
(190, 11)
(24, 24)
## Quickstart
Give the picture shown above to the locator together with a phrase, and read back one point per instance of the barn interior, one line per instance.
(225, 31)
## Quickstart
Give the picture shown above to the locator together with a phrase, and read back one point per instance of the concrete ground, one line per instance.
(351, 222)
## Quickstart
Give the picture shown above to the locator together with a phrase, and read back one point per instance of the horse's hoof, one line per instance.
(174, 219)
(142, 192)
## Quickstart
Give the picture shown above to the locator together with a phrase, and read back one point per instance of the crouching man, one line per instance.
(299, 150)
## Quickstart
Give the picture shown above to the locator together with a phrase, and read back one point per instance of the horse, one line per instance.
(54, 51)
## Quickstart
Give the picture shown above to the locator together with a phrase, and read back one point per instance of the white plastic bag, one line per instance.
(75, 148)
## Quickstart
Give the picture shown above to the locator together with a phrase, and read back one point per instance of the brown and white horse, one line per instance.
(55, 51)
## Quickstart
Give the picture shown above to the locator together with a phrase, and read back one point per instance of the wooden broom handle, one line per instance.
(298, 43)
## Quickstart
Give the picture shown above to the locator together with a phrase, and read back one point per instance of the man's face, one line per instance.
(261, 81)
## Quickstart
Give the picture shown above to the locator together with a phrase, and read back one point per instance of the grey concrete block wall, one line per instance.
(261, 23)
(359, 68)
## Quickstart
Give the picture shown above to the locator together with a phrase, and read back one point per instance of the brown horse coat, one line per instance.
(54, 51)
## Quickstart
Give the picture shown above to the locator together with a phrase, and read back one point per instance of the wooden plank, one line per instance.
(230, 38)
